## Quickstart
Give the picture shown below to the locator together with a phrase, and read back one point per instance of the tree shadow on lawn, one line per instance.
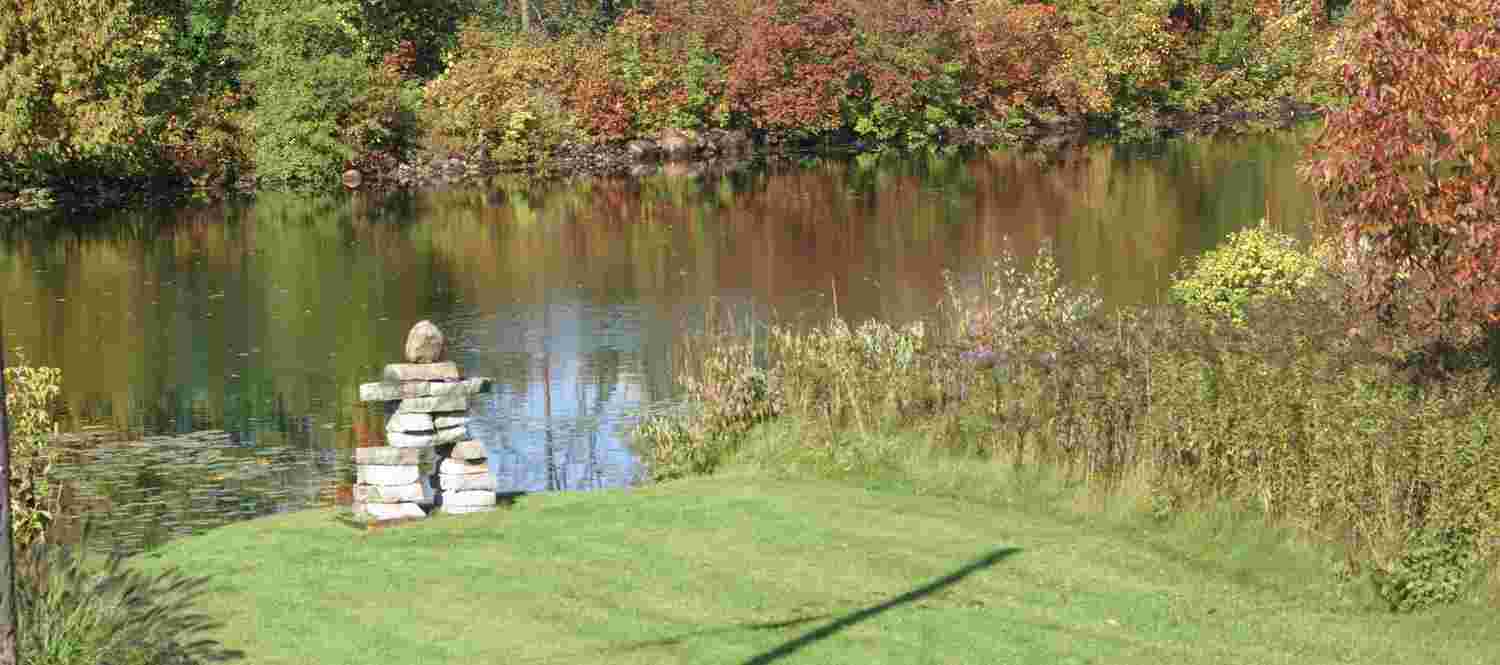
(850, 619)
(841, 623)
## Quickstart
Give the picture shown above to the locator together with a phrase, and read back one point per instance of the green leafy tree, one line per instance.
(306, 67)
(74, 79)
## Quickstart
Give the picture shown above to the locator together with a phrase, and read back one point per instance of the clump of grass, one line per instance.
(725, 394)
(73, 612)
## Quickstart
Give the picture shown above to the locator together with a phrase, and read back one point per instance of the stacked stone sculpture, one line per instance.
(427, 405)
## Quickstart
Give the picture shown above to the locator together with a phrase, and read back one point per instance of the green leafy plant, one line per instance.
(30, 393)
(1437, 567)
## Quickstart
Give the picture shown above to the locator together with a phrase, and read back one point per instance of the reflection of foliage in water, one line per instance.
(139, 494)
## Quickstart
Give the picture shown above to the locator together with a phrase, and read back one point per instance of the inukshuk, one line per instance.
(426, 401)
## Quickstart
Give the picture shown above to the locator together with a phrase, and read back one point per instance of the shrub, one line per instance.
(1436, 568)
(381, 126)
(1252, 263)
(71, 614)
(792, 68)
(909, 89)
(306, 69)
(30, 393)
(726, 394)
(1010, 50)
(503, 98)
(209, 145)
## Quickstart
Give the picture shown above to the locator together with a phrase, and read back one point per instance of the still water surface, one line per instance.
(262, 319)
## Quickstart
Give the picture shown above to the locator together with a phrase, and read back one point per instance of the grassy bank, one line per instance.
(752, 569)
(1259, 387)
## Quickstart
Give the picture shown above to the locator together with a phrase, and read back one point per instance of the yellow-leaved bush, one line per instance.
(503, 97)
(1252, 263)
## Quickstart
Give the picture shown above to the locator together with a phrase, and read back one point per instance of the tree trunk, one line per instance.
(7, 557)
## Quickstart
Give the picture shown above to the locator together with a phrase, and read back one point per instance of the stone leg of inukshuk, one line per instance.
(427, 403)
(464, 479)
(388, 483)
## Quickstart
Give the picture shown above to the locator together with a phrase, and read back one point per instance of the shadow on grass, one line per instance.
(848, 620)
(797, 644)
(679, 639)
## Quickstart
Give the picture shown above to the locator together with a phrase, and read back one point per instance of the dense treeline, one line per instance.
(205, 92)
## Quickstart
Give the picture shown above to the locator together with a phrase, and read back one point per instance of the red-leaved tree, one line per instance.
(1410, 166)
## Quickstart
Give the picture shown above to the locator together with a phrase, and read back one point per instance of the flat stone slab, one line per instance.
(440, 437)
(460, 466)
(398, 372)
(410, 423)
(468, 499)
(446, 420)
(388, 455)
(380, 512)
(382, 474)
(434, 404)
(465, 482)
(404, 440)
(390, 392)
(465, 450)
(409, 493)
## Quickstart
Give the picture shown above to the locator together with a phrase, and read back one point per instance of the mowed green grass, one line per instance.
(745, 569)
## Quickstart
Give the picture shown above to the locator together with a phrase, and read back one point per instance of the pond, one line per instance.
(261, 319)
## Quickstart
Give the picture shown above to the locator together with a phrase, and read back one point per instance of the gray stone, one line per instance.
(352, 179)
(452, 482)
(464, 450)
(409, 493)
(380, 512)
(641, 149)
(390, 392)
(410, 422)
(455, 466)
(387, 474)
(424, 344)
(404, 440)
(388, 456)
(434, 404)
(679, 143)
(398, 372)
(451, 435)
(468, 499)
(446, 420)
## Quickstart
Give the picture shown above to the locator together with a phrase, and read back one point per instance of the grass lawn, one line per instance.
(747, 569)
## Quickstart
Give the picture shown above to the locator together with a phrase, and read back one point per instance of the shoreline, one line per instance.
(682, 153)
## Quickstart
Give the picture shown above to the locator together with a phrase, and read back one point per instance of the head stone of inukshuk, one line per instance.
(426, 404)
